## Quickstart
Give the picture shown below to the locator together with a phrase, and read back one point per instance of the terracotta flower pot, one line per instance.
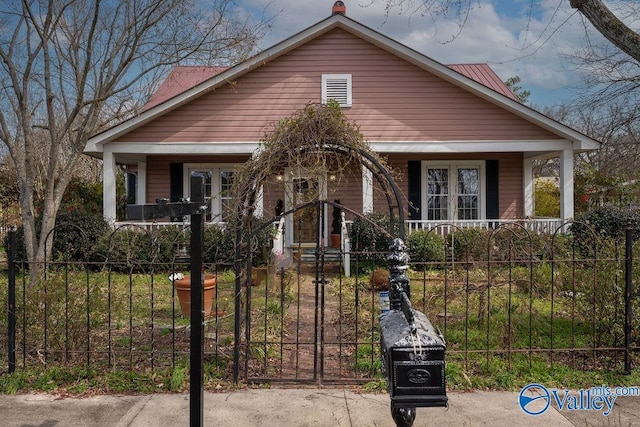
(183, 289)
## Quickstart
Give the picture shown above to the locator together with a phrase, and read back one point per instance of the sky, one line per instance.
(514, 38)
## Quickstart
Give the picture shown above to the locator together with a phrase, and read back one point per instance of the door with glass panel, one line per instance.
(304, 227)
(453, 193)
(217, 188)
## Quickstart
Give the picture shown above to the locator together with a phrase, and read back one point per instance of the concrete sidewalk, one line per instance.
(292, 408)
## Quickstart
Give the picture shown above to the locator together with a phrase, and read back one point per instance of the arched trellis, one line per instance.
(248, 191)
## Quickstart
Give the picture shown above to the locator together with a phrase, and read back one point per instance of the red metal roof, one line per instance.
(179, 80)
(484, 75)
(183, 78)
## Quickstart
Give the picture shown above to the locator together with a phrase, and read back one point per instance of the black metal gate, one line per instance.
(307, 318)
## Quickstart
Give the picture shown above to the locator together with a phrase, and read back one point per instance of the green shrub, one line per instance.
(547, 197)
(425, 247)
(76, 234)
(608, 221)
(127, 249)
(371, 233)
(82, 196)
(468, 244)
(165, 246)
(219, 245)
(75, 238)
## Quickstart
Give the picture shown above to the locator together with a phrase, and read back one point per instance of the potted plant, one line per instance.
(182, 285)
(336, 225)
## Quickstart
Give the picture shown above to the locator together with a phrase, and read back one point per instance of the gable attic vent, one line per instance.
(338, 88)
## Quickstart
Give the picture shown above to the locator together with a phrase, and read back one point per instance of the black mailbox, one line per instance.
(413, 351)
(413, 355)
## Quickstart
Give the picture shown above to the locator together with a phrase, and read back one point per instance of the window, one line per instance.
(438, 193)
(338, 88)
(206, 174)
(218, 180)
(226, 181)
(453, 191)
(468, 193)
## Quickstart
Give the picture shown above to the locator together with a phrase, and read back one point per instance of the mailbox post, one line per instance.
(195, 209)
(412, 349)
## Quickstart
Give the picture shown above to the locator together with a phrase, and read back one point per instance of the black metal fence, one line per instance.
(111, 307)
(520, 299)
(506, 299)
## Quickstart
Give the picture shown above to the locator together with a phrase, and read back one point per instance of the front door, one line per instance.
(303, 228)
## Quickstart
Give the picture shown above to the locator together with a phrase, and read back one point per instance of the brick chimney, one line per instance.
(339, 7)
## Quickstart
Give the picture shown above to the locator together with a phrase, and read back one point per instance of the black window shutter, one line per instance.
(132, 178)
(493, 195)
(175, 182)
(414, 188)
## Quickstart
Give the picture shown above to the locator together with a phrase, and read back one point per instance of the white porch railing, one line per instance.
(535, 225)
(152, 225)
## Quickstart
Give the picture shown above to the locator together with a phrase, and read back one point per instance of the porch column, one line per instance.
(109, 185)
(566, 184)
(528, 187)
(367, 191)
(141, 190)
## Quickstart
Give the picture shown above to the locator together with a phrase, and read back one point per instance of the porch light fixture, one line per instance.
(332, 178)
(279, 178)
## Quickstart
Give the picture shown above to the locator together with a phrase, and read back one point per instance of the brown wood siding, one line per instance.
(510, 186)
(392, 100)
(271, 193)
(348, 189)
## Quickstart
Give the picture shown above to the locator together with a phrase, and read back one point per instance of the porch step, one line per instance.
(308, 256)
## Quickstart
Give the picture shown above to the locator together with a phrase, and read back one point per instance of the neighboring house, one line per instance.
(462, 142)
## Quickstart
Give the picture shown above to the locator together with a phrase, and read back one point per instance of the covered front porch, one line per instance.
(507, 183)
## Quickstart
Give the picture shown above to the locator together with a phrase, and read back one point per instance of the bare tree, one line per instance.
(616, 126)
(70, 68)
(610, 26)
(600, 16)
(610, 75)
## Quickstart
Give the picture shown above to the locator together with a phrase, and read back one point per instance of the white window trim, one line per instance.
(453, 165)
(347, 77)
(215, 168)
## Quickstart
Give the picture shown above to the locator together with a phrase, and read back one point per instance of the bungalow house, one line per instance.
(462, 142)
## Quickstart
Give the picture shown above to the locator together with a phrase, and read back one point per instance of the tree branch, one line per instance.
(609, 26)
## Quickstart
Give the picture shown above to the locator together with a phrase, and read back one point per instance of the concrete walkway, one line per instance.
(292, 408)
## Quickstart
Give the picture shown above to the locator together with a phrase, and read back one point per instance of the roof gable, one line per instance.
(466, 77)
